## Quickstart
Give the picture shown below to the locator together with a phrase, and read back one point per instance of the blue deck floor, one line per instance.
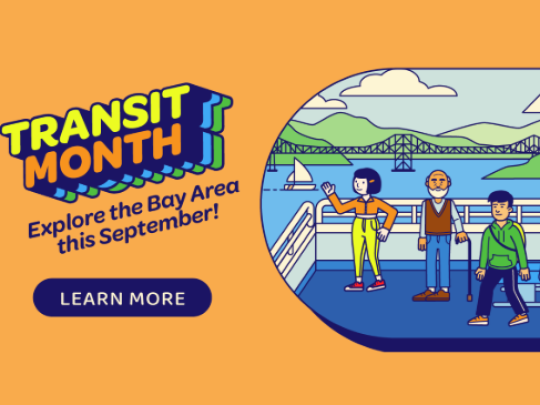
(392, 313)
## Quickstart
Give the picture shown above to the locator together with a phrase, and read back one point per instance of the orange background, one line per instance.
(257, 343)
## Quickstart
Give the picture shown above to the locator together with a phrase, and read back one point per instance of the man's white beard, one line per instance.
(438, 193)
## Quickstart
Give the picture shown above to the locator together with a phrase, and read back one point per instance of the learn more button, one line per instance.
(122, 297)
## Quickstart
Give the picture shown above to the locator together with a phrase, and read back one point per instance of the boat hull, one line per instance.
(299, 187)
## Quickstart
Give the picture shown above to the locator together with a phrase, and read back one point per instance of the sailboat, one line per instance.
(299, 174)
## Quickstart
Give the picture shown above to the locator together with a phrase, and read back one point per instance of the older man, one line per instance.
(438, 213)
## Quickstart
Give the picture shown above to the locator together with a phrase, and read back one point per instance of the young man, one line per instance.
(438, 213)
(502, 249)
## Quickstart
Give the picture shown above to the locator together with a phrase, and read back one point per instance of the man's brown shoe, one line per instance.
(422, 296)
(440, 296)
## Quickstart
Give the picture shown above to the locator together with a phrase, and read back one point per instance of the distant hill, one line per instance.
(529, 170)
(290, 135)
(342, 129)
(494, 134)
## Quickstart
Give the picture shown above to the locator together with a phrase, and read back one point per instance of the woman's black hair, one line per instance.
(373, 178)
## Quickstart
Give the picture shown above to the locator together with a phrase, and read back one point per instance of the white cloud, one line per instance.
(534, 107)
(319, 102)
(396, 82)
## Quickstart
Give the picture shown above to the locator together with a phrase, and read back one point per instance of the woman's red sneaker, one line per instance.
(355, 287)
(378, 285)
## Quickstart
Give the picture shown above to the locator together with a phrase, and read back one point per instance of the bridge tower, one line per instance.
(535, 145)
(271, 164)
(403, 154)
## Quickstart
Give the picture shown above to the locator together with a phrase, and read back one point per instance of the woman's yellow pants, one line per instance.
(364, 237)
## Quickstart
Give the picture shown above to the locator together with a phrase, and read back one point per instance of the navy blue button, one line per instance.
(122, 297)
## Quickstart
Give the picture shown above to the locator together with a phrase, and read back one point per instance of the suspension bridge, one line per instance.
(404, 147)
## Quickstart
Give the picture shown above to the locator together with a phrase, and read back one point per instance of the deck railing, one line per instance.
(294, 239)
(532, 224)
(310, 220)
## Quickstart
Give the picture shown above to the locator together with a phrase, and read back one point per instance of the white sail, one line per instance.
(291, 177)
(300, 173)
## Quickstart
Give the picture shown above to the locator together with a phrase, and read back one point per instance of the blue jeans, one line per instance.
(441, 244)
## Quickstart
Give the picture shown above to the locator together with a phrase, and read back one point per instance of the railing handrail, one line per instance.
(415, 203)
(287, 235)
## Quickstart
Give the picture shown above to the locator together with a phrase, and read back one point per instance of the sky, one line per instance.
(450, 98)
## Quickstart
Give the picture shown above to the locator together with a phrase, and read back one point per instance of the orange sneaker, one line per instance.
(480, 321)
(518, 320)
(422, 296)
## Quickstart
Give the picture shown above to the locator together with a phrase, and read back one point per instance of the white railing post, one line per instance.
(467, 214)
(414, 214)
(519, 214)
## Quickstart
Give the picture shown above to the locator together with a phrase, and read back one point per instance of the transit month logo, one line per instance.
(144, 137)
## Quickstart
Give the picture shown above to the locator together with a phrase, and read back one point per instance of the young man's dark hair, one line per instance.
(373, 178)
(501, 196)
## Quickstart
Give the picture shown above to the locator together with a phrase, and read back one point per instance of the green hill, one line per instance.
(342, 129)
(493, 134)
(529, 170)
(290, 135)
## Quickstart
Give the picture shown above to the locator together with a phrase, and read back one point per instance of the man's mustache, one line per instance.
(438, 192)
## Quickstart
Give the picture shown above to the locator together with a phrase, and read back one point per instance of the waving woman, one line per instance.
(366, 232)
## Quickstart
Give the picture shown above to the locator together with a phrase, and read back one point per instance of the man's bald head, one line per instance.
(438, 180)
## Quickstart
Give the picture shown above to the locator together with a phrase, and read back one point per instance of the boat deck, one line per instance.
(314, 256)
(392, 313)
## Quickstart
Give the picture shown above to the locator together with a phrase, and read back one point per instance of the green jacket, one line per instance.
(499, 257)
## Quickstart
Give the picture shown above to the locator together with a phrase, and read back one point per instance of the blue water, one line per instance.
(278, 206)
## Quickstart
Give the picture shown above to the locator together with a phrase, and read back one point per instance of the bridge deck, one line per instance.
(408, 144)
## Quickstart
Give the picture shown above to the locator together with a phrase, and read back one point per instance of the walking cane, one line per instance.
(469, 269)
(469, 295)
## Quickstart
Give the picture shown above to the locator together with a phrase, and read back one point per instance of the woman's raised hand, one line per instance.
(328, 188)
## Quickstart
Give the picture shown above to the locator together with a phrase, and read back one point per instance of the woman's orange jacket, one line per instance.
(372, 206)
